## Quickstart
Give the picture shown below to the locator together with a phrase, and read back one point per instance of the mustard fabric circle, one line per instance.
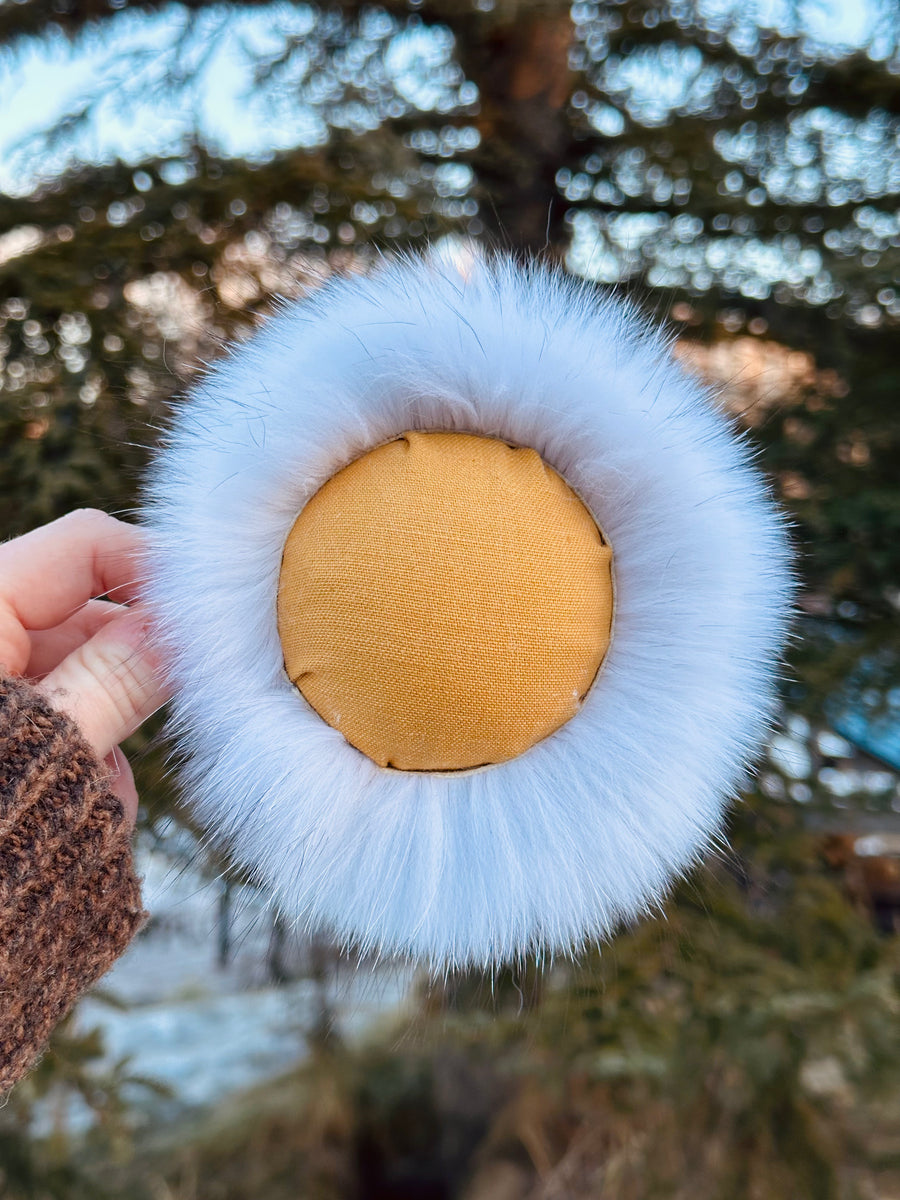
(445, 601)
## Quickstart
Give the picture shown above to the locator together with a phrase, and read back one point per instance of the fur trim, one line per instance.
(587, 828)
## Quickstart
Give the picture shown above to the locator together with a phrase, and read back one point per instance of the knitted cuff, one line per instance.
(69, 899)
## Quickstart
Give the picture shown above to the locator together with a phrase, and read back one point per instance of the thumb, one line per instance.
(111, 683)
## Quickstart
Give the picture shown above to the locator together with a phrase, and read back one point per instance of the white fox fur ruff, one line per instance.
(587, 828)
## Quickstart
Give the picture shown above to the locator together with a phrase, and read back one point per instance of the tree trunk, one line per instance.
(276, 968)
(224, 925)
(521, 67)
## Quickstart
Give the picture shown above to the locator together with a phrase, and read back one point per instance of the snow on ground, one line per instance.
(204, 1030)
(204, 1048)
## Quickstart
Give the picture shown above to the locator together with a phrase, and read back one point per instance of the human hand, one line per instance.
(91, 658)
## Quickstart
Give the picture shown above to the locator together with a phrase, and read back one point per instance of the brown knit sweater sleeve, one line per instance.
(69, 899)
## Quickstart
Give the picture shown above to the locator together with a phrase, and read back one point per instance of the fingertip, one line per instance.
(121, 784)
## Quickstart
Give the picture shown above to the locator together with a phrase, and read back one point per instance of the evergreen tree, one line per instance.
(742, 180)
(682, 149)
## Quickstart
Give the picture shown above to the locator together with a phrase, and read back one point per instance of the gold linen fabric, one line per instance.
(445, 601)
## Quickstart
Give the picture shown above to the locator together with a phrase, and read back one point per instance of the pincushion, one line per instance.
(444, 601)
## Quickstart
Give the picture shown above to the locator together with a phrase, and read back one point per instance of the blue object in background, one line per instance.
(868, 712)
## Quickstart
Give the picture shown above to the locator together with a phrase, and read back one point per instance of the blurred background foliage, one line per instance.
(735, 168)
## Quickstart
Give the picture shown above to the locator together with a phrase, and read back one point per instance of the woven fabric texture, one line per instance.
(445, 601)
(69, 898)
